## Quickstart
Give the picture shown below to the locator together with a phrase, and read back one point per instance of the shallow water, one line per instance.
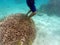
(48, 27)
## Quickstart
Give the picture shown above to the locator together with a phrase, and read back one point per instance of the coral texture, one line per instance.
(17, 29)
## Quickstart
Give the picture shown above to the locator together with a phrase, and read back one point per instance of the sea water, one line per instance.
(47, 27)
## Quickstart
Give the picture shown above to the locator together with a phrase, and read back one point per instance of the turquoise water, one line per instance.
(47, 26)
(15, 6)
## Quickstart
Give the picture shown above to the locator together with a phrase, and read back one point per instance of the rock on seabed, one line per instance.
(17, 29)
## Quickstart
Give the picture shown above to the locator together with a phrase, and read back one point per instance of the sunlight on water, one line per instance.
(48, 27)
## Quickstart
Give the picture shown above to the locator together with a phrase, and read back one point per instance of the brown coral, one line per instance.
(17, 30)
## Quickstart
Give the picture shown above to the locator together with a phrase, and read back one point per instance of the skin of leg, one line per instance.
(28, 12)
(32, 14)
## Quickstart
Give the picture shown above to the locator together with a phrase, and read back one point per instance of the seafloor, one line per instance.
(48, 27)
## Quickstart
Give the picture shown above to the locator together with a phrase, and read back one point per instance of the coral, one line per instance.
(16, 30)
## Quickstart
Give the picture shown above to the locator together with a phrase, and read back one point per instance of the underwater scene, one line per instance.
(46, 22)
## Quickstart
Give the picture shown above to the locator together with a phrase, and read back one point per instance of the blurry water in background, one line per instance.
(48, 27)
(15, 6)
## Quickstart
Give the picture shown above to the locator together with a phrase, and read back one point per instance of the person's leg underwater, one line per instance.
(28, 12)
(31, 5)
